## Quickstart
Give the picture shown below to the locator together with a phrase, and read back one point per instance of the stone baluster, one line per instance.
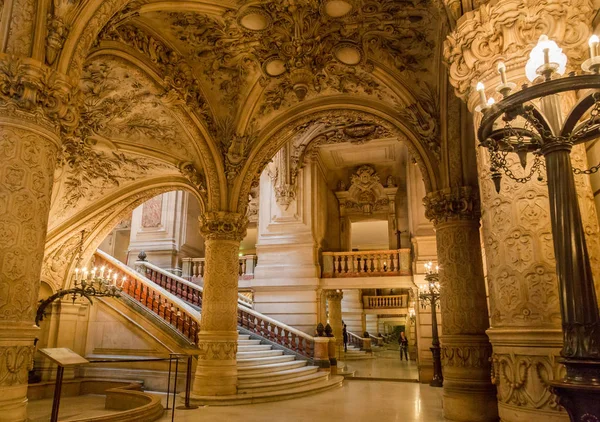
(468, 392)
(216, 371)
(396, 262)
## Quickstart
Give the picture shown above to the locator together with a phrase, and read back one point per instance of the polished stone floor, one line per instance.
(356, 401)
(385, 365)
(71, 408)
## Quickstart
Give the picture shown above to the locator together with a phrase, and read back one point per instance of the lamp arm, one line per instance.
(40, 313)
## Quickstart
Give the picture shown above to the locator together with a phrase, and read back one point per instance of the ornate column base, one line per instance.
(16, 358)
(468, 393)
(524, 364)
(216, 371)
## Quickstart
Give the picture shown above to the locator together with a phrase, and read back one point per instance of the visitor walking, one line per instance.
(345, 335)
(403, 341)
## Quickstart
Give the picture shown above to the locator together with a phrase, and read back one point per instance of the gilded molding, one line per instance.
(506, 31)
(452, 204)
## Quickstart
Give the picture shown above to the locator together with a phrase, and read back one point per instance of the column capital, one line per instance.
(32, 91)
(223, 225)
(334, 294)
(506, 31)
(452, 204)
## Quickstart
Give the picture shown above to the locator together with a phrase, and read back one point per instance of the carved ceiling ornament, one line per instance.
(290, 132)
(452, 204)
(506, 31)
(366, 194)
(303, 45)
(424, 117)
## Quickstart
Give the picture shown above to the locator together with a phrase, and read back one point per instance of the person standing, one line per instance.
(345, 335)
(403, 341)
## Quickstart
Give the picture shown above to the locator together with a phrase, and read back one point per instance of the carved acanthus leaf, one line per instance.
(452, 204)
(424, 117)
(223, 225)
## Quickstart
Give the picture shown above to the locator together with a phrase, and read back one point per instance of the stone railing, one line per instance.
(187, 293)
(366, 263)
(355, 340)
(193, 268)
(186, 290)
(385, 302)
(167, 305)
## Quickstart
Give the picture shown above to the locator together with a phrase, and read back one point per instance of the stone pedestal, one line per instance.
(468, 393)
(367, 345)
(332, 348)
(28, 157)
(334, 305)
(216, 371)
(321, 353)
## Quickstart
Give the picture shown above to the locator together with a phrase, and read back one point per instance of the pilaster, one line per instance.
(334, 305)
(216, 371)
(468, 392)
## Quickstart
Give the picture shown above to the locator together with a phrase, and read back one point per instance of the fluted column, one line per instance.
(216, 371)
(334, 305)
(521, 270)
(468, 392)
(33, 110)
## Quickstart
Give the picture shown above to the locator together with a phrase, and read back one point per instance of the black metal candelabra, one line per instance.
(429, 296)
(531, 121)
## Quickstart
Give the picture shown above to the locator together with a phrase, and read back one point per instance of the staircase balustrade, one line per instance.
(355, 340)
(155, 297)
(157, 290)
(385, 302)
(367, 263)
(194, 268)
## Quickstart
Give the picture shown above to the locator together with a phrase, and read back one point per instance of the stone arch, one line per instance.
(281, 129)
(98, 221)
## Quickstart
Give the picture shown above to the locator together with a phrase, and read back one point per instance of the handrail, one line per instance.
(355, 339)
(164, 282)
(166, 305)
(275, 331)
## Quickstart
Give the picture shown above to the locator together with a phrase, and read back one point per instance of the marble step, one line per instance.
(246, 342)
(259, 354)
(269, 368)
(269, 396)
(265, 386)
(244, 362)
(276, 375)
(243, 336)
(253, 347)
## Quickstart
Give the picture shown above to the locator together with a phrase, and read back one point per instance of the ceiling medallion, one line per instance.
(254, 19)
(274, 66)
(348, 53)
(337, 8)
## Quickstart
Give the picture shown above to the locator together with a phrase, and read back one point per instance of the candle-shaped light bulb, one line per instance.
(546, 56)
(481, 89)
(76, 274)
(491, 102)
(115, 278)
(502, 72)
(94, 272)
(102, 271)
(593, 43)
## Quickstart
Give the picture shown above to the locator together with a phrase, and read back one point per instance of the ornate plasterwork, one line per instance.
(506, 30)
(452, 204)
(15, 363)
(223, 225)
(35, 92)
(61, 12)
(366, 194)
(424, 117)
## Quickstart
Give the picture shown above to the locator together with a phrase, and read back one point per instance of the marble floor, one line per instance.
(356, 401)
(71, 408)
(385, 365)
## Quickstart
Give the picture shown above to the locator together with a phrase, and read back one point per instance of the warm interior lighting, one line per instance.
(546, 57)
(593, 43)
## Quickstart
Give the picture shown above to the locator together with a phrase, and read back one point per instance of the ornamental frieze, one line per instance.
(452, 204)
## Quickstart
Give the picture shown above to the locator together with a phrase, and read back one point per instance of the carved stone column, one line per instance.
(216, 372)
(523, 293)
(334, 305)
(468, 393)
(30, 122)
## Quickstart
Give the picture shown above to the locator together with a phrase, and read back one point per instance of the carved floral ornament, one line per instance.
(452, 204)
(222, 225)
(506, 31)
(366, 193)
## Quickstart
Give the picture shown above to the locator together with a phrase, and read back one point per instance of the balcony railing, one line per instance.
(366, 263)
(195, 267)
(385, 302)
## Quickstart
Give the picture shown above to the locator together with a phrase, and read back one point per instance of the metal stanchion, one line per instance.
(169, 382)
(57, 389)
(188, 386)
(175, 387)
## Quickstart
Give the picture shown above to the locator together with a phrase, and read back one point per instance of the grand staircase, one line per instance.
(274, 360)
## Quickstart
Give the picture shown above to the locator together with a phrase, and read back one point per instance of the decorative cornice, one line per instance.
(452, 204)
(506, 31)
(222, 225)
(32, 88)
